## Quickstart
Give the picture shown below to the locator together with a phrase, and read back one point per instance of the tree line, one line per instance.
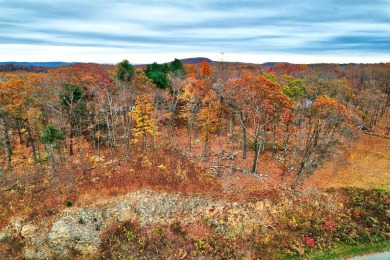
(297, 113)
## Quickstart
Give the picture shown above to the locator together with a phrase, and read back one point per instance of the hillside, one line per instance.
(39, 64)
(196, 60)
(30, 66)
(193, 161)
(42, 66)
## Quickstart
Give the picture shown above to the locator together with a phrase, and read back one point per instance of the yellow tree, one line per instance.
(190, 109)
(10, 104)
(144, 120)
(17, 98)
(208, 118)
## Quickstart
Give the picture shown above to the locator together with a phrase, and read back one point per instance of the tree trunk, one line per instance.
(264, 139)
(111, 126)
(52, 161)
(31, 141)
(231, 127)
(244, 136)
(244, 143)
(2, 178)
(6, 140)
(256, 157)
(189, 129)
(144, 141)
(274, 140)
(8, 151)
(128, 136)
(70, 135)
(206, 150)
(285, 148)
(19, 132)
(299, 175)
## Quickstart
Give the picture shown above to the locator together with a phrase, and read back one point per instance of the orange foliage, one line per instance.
(326, 107)
(205, 69)
(191, 69)
(258, 95)
(10, 95)
(142, 84)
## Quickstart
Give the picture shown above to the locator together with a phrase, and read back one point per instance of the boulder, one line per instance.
(76, 231)
(28, 230)
(14, 226)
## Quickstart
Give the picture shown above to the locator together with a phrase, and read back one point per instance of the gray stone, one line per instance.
(38, 253)
(77, 230)
(14, 226)
(28, 230)
(80, 229)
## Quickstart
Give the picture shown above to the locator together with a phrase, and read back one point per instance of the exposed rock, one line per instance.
(14, 226)
(79, 229)
(28, 230)
(42, 252)
(127, 216)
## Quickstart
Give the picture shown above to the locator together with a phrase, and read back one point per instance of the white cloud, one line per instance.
(147, 30)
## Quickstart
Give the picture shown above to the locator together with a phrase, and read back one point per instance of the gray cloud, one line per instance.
(258, 26)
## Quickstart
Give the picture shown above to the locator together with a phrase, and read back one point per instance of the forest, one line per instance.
(91, 130)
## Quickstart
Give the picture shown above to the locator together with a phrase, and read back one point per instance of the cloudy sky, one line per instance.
(143, 31)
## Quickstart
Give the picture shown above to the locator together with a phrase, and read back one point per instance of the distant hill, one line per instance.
(38, 64)
(31, 66)
(271, 63)
(43, 66)
(195, 60)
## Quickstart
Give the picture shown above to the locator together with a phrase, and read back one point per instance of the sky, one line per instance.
(145, 31)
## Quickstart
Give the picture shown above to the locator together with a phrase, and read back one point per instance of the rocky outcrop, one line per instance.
(14, 226)
(79, 229)
(28, 231)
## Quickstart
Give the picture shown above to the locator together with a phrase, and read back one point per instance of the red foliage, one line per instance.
(330, 225)
(310, 241)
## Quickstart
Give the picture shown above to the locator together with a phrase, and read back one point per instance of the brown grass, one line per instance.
(366, 165)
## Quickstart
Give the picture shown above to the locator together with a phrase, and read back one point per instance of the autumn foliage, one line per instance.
(205, 69)
(186, 125)
(231, 131)
(105, 111)
(144, 120)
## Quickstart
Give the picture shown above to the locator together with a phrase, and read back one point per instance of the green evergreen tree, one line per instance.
(158, 74)
(176, 68)
(124, 71)
(50, 135)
